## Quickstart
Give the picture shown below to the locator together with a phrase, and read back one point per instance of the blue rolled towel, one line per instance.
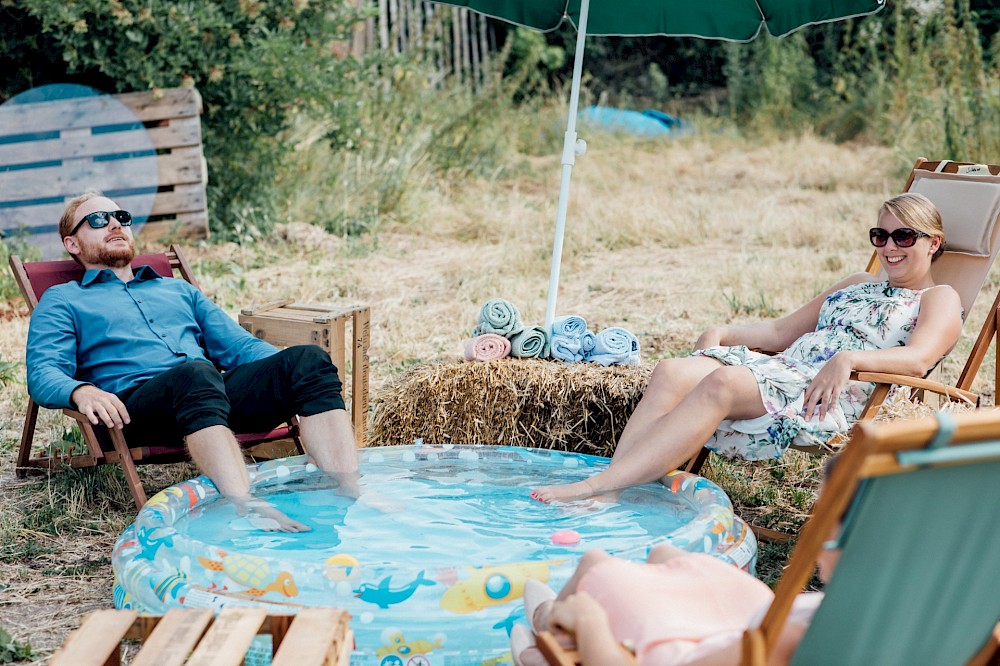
(530, 342)
(570, 326)
(498, 316)
(615, 346)
(562, 348)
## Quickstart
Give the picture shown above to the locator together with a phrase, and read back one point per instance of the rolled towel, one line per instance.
(487, 347)
(562, 348)
(570, 326)
(498, 316)
(530, 342)
(615, 346)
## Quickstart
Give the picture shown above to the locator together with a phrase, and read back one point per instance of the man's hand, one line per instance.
(100, 406)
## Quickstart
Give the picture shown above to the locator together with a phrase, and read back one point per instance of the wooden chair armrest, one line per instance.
(950, 392)
(557, 655)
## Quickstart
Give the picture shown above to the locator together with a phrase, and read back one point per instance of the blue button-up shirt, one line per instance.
(115, 335)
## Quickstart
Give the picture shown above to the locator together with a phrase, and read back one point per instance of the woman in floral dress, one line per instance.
(741, 403)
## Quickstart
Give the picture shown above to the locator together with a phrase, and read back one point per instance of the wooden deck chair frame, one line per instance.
(946, 270)
(885, 452)
(166, 263)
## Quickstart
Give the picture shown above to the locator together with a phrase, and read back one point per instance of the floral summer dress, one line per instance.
(868, 315)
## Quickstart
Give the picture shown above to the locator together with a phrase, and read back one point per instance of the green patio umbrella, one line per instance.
(732, 20)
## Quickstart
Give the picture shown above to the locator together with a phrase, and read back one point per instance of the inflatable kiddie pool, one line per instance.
(431, 557)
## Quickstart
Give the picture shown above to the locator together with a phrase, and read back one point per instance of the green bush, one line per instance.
(772, 81)
(257, 65)
(413, 137)
(11, 650)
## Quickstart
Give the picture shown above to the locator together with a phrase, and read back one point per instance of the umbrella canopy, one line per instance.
(736, 20)
(733, 20)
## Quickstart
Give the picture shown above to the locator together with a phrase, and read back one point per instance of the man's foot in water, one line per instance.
(265, 516)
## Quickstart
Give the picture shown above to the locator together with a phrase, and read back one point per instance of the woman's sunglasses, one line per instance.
(902, 237)
(102, 218)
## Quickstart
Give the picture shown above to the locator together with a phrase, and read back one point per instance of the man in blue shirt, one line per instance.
(140, 352)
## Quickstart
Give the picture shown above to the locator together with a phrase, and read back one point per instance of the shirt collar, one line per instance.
(93, 275)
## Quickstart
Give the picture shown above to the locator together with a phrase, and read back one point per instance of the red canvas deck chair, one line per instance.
(106, 445)
(968, 196)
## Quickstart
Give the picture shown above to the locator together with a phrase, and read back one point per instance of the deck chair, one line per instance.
(917, 580)
(104, 445)
(968, 197)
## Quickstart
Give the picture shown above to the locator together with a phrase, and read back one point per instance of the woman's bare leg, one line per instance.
(671, 382)
(730, 392)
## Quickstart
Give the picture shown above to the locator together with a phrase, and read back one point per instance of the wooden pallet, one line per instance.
(196, 637)
(56, 149)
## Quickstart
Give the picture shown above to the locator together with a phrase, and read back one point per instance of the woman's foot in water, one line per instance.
(564, 493)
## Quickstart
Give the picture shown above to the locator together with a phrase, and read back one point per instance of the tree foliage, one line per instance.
(257, 65)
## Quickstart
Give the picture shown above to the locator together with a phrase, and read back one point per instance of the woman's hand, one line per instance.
(710, 338)
(576, 610)
(825, 389)
(587, 620)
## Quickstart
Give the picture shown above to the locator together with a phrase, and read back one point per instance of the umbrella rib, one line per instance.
(831, 20)
(565, 16)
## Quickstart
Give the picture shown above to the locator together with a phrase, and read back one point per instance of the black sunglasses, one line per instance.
(102, 218)
(902, 237)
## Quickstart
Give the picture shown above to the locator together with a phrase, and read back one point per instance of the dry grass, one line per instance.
(663, 238)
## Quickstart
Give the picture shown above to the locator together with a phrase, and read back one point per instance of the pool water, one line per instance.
(429, 553)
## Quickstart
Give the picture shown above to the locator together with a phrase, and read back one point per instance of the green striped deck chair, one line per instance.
(918, 580)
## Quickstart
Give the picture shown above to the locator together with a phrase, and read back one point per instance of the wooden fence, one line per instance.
(458, 42)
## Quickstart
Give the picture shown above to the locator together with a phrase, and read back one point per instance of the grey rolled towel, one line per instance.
(529, 342)
(498, 316)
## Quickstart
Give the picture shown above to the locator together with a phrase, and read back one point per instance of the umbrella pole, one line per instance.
(568, 160)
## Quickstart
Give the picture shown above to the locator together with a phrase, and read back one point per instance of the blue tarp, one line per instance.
(648, 123)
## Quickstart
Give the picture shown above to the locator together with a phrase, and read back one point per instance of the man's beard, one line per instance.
(112, 256)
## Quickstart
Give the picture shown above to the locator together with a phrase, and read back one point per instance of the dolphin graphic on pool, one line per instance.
(384, 596)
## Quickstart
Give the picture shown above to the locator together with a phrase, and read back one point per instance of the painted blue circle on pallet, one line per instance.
(58, 141)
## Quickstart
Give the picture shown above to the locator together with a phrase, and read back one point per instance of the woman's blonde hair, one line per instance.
(917, 212)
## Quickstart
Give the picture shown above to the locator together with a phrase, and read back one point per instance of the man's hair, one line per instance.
(68, 219)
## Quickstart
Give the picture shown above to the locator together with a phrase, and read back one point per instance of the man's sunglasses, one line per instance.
(102, 218)
(902, 237)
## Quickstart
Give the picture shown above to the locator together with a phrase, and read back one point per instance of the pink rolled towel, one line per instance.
(487, 347)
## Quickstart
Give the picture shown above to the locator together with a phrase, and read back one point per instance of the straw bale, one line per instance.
(580, 407)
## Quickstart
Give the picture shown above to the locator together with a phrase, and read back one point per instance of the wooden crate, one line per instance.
(284, 323)
(196, 637)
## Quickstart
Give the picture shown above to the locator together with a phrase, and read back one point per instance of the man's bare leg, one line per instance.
(217, 454)
(328, 438)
